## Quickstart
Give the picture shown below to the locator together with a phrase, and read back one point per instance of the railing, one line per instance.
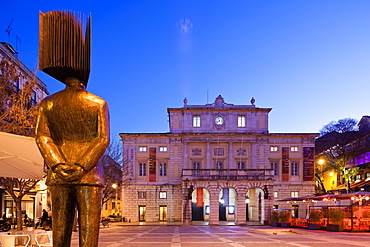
(227, 174)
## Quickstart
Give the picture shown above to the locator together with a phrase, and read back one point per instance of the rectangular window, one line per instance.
(276, 194)
(294, 169)
(218, 165)
(142, 149)
(241, 165)
(241, 121)
(275, 167)
(294, 149)
(196, 121)
(162, 169)
(163, 149)
(274, 148)
(142, 169)
(141, 195)
(196, 165)
(16, 85)
(294, 194)
(162, 194)
(34, 96)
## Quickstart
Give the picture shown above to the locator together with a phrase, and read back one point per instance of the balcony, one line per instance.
(227, 174)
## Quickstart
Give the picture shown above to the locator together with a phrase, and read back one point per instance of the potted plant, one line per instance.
(285, 218)
(336, 216)
(315, 217)
(274, 218)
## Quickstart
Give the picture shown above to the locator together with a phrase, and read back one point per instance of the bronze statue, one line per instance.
(72, 130)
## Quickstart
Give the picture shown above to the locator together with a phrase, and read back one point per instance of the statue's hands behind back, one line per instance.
(69, 172)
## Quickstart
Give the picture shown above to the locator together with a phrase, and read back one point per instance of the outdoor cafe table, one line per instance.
(9, 240)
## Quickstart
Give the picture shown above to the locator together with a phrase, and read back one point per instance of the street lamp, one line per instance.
(321, 161)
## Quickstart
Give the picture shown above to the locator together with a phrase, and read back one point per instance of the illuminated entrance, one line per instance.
(227, 202)
(142, 212)
(162, 213)
(200, 205)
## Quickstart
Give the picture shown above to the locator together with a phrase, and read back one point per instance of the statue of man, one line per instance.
(72, 133)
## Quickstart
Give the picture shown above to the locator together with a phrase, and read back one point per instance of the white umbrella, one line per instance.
(20, 157)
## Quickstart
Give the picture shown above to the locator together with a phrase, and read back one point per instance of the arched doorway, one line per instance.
(227, 203)
(255, 205)
(200, 205)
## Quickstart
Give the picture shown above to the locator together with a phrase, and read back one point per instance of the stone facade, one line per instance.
(217, 163)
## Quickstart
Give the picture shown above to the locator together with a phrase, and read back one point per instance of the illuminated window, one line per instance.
(276, 194)
(142, 149)
(142, 169)
(162, 194)
(207, 209)
(294, 169)
(274, 148)
(231, 210)
(275, 167)
(162, 149)
(196, 121)
(162, 169)
(241, 121)
(293, 149)
(294, 194)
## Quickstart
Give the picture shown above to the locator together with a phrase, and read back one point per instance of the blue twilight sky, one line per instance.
(309, 60)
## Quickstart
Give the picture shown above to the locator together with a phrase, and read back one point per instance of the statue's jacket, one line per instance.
(73, 128)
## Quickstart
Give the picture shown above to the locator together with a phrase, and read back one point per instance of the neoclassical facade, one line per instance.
(218, 163)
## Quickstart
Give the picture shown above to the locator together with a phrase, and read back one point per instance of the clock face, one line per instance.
(219, 120)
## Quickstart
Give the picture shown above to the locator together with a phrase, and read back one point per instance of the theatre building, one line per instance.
(217, 163)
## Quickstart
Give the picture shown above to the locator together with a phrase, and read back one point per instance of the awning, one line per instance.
(20, 157)
(359, 184)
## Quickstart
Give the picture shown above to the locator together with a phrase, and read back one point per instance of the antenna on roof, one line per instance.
(16, 42)
(9, 29)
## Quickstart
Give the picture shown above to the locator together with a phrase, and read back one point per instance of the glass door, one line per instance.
(142, 212)
(162, 213)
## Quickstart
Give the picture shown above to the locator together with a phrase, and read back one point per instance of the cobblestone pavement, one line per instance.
(220, 236)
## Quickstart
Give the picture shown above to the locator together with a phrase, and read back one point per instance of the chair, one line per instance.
(44, 239)
(15, 240)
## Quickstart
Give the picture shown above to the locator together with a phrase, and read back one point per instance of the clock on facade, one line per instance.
(219, 120)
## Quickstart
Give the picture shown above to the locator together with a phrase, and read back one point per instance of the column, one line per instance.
(252, 156)
(186, 205)
(231, 160)
(241, 208)
(214, 218)
(186, 155)
(208, 156)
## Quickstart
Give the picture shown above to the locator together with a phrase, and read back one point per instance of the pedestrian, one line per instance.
(44, 217)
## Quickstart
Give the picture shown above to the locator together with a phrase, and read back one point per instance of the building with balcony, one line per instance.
(18, 74)
(217, 163)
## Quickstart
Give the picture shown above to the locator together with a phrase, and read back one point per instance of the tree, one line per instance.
(111, 161)
(18, 111)
(334, 146)
(340, 126)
